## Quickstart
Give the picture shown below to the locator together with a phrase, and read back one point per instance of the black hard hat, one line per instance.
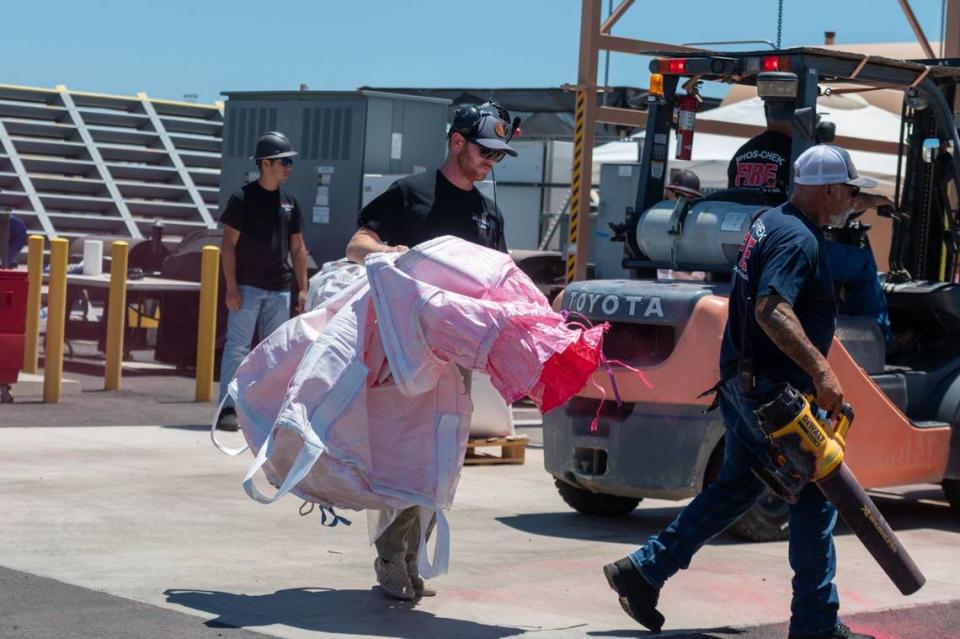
(272, 146)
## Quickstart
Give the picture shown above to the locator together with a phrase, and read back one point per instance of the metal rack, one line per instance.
(74, 163)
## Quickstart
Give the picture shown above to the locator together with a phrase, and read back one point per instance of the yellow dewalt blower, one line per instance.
(804, 447)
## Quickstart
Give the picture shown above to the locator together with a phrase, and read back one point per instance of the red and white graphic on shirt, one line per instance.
(746, 248)
(756, 175)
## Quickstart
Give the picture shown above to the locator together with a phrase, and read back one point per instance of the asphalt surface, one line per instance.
(38, 608)
(33, 607)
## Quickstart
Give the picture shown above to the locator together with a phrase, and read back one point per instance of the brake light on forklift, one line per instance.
(656, 85)
(770, 63)
(676, 66)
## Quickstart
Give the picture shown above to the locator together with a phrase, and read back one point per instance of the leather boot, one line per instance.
(637, 597)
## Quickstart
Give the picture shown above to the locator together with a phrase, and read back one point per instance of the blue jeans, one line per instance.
(733, 493)
(855, 268)
(259, 309)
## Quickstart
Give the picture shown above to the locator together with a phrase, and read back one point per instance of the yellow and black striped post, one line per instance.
(576, 185)
(581, 178)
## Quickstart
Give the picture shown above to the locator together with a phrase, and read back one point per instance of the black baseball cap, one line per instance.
(493, 131)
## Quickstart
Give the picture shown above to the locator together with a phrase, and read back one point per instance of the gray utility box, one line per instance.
(618, 190)
(530, 186)
(340, 137)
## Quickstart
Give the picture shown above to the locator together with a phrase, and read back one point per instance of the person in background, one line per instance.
(262, 228)
(683, 183)
(17, 240)
(763, 162)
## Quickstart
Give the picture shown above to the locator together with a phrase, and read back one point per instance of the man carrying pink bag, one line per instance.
(356, 405)
(364, 402)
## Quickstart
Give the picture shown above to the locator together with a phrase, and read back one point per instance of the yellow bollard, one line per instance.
(117, 318)
(56, 316)
(207, 326)
(31, 341)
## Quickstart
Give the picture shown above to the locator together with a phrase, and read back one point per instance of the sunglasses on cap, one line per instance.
(489, 154)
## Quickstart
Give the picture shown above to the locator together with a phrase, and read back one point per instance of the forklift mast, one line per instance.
(653, 167)
(924, 240)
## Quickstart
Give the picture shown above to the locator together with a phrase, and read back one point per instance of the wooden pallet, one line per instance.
(512, 450)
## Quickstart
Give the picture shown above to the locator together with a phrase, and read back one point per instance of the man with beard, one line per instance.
(781, 321)
(415, 209)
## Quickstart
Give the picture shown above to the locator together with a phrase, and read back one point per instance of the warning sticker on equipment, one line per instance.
(733, 221)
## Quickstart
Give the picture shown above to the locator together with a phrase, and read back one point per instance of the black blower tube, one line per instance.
(861, 515)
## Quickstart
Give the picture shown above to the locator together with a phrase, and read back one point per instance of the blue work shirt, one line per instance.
(784, 254)
(18, 239)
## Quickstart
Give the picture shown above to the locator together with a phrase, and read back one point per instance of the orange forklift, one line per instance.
(658, 440)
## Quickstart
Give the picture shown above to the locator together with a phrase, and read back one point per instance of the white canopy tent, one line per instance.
(852, 115)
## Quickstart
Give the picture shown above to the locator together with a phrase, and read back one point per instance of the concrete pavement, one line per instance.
(151, 523)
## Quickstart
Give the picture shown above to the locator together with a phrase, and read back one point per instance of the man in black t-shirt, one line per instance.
(442, 202)
(413, 210)
(763, 162)
(262, 229)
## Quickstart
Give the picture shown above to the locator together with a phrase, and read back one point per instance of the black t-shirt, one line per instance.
(421, 207)
(266, 220)
(763, 163)
(783, 253)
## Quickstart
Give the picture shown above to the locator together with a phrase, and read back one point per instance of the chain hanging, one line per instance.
(779, 23)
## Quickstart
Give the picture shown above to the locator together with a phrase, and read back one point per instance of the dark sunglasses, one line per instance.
(489, 154)
(285, 161)
(854, 190)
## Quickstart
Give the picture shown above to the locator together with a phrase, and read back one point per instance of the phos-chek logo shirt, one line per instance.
(783, 254)
(763, 164)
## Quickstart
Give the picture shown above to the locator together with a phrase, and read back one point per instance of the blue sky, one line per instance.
(169, 48)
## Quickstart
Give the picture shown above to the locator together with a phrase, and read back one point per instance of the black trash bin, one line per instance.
(179, 311)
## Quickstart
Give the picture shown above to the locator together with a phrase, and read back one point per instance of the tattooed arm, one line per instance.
(775, 315)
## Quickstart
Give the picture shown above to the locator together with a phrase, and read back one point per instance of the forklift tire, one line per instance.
(595, 504)
(766, 521)
(951, 489)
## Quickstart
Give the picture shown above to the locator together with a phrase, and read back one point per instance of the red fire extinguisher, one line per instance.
(686, 115)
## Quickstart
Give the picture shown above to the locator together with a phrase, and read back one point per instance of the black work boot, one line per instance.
(840, 632)
(637, 597)
(227, 420)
